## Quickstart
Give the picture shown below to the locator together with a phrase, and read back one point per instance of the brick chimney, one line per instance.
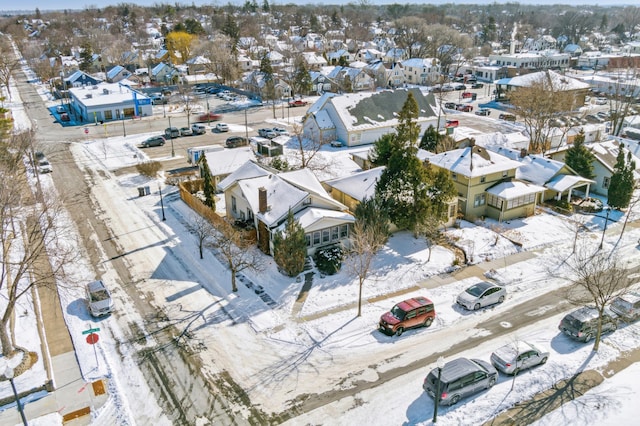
(523, 152)
(262, 199)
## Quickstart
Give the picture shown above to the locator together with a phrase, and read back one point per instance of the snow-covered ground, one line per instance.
(277, 353)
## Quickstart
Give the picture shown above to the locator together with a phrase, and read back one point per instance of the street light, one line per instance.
(8, 373)
(604, 230)
(440, 364)
(161, 203)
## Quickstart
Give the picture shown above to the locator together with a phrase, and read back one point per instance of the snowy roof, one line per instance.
(359, 185)
(198, 60)
(534, 168)
(312, 215)
(281, 196)
(246, 171)
(484, 162)
(228, 160)
(562, 183)
(306, 180)
(105, 94)
(514, 189)
(114, 71)
(367, 110)
(321, 102)
(557, 81)
(324, 120)
(419, 62)
(607, 151)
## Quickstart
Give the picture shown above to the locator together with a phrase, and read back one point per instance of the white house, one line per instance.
(421, 70)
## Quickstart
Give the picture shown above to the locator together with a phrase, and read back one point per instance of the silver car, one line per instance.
(98, 299)
(480, 295)
(518, 356)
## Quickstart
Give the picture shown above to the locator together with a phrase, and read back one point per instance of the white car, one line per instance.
(602, 101)
(222, 127)
(480, 295)
(99, 299)
(281, 131)
(44, 166)
(517, 356)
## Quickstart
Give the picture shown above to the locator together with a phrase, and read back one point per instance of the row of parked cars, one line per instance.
(463, 377)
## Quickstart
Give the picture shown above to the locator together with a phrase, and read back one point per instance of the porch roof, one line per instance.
(514, 189)
(562, 183)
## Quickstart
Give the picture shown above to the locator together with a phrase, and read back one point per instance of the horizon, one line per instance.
(45, 6)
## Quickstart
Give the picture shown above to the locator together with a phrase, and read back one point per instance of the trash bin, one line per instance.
(141, 191)
(147, 190)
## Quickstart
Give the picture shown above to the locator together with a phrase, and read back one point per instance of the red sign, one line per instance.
(92, 338)
(86, 130)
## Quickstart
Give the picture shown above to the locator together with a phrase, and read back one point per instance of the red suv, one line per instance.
(414, 312)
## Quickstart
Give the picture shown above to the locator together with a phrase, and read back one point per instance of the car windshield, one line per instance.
(98, 295)
(398, 313)
(476, 290)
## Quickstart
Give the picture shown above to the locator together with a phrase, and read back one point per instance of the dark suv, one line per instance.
(459, 378)
(153, 141)
(236, 141)
(415, 312)
(582, 324)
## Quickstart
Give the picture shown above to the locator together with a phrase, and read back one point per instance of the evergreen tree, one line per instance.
(408, 129)
(265, 6)
(579, 158)
(429, 141)
(290, 247)
(382, 148)
(86, 57)
(622, 184)
(301, 78)
(370, 214)
(265, 67)
(208, 189)
(230, 28)
(343, 61)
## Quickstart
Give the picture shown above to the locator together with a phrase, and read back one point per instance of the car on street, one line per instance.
(415, 312)
(281, 131)
(464, 107)
(153, 141)
(480, 295)
(458, 379)
(198, 129)
(44, 166)
(517, 356)
(297, 103)
(483, 111)
(222, 127)
(64, 117)
(477, 86)
(267, 133)
(459, 86)
(447, 88)
(507, 117)
(602, 101)
(236, 141)
(582, 324)
(186, 131)
(211, 116)
(171, 133)
(466, 95)
(627, 306)
(98, 299)
(39, 155)
(450, 105)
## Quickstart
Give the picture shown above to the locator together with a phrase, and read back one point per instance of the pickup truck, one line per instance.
(297, 103)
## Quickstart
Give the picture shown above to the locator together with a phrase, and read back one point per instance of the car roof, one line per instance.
(484, 285)
(512, 350)
(631, 297)
(413, 303)
(457, 368)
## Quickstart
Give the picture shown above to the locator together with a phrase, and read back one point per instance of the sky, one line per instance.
(332, 348)
(6, 5)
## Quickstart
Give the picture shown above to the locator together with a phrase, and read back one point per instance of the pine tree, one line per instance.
(302, 83)
(408, 129)
(209, 191)
(86, 57)
(382, 149)
(622, 183)
(430, 138)
(370, 214)
(230, 28)
(290, 247)
(579, 158)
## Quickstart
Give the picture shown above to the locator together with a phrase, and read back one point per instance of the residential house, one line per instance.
(247, 64)
(573, 49)
(334, 57)
(264, 199)
(551, 80)
(362, 118)
(80, 79)
(350, 79)
(198, 65)
(224, 162)
(369, 55)
(313, 61)
(164, 74)
(394, 55)
(486, 184)
(395, 74)
(423, 71)
(117, 73)
(378, 73)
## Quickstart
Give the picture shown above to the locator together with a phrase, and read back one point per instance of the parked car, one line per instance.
(627, 306)
(447, 88)
(64, 117)
(483, 111)
(582, 324)
(281, 131)
(39, 155)
(210, 116)
(186, 131)
(157, 99)
(171, 133)
(153, 141)
(60, 109)
(464, 107)
(450, 105)
(297, 103)
(602, 101)
(451, 123)
(98, 299)
(336, 144)
(459, 87)
(477, 86)
(198, 129)
(44, 166)
(267, 133)
(507, 117)
(460, 378)
(222, 127)
(466, 95)
(517, 356)
(480, 295)
(414, 312)
(236, 141)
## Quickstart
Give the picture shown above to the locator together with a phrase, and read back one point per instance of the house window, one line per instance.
(344, 231)
(494, 201)
(233, 204)
(316, 238)
(521, 201)
(335, 233)
(483, 179)
(505, 173)
(108, 115)
(454, 176)
(606, 181)
(479, 200)
(452, 210)
(325, 236)
(307, 239)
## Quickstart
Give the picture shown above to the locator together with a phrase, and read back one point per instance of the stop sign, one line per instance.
(92, 338)
(86, 130)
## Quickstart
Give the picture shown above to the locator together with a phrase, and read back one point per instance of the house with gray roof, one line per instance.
(117, 73)
(350, 79)
(361, 118)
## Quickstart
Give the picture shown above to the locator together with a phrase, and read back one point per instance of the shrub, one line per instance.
(149, 168)
(328, 259)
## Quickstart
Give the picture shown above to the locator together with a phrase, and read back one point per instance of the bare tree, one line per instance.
(203, 231)
(597, 279)
(8, 63)
(307, 149)
(236, 251)
(622, 95)
(30, 235)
